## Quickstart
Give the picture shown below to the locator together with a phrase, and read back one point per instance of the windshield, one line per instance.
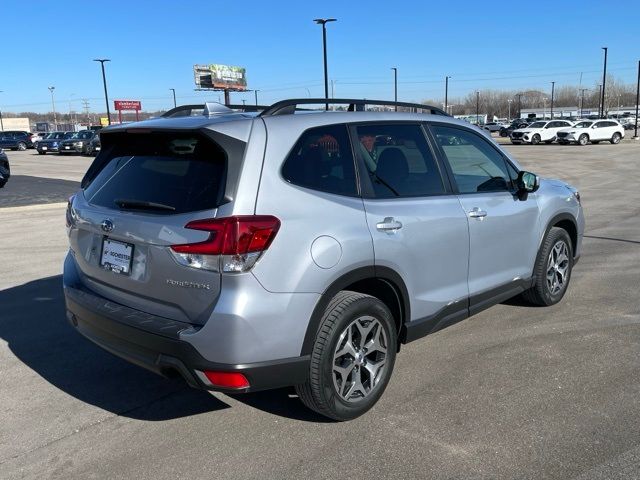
(55, 135)
(583, 124)
(83, 135)
(537, 125)
(67, 134)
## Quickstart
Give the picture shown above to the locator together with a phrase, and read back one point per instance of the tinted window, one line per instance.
(399, 161)
(185, 172)
(476, 165)
(322, 160)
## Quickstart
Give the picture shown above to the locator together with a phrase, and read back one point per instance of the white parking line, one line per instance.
(27, 208)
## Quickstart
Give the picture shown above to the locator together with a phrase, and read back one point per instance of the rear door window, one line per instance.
(160, 172)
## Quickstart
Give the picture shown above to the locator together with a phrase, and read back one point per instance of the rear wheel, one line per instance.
(552, 270)
(22, 146)
(615, 139)
(352, 358)
(535, 140)
(583, 139)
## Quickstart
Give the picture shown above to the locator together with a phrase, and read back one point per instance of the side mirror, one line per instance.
(527, 183)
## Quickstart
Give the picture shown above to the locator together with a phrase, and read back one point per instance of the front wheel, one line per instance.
(552, 270)
(583, 139)
(535, 140)
(22, 146)
(616, 138)
(352, 358)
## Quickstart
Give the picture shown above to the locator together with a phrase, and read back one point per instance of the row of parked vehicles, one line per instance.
(563, 131)
(85, 142)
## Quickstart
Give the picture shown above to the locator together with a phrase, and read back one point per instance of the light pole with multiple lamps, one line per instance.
(53, 106)
(323, 22)
(104, 83)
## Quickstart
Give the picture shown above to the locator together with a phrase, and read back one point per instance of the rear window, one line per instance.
(160, 172)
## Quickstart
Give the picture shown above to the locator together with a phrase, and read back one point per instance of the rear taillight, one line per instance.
(234, 244)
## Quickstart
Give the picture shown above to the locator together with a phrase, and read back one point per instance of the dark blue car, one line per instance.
(16, 140)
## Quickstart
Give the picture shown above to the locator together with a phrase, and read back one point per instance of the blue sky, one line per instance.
(154, 44)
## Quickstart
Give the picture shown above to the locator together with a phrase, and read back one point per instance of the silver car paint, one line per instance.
(263, 315)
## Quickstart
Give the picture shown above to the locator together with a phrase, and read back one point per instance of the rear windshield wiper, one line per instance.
(142, 205)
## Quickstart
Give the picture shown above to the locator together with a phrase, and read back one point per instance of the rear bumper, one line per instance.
(153, 342)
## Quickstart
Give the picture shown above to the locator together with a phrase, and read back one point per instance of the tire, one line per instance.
(583, 139)
(548, 142)
(615, 139)
(535, 140)
(595, 142)
(42, 153)
(326, 391)
(549, 291)
(503, 133)
(22, 146)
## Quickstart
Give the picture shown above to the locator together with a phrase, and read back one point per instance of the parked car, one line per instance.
(199, 247)
(93, 146)
(16, 140)
(51, 143)
(505, 131)
(543, 131)
(5, 170)
(36, 137)
(76, 143)
(592, 131)
(494, 126)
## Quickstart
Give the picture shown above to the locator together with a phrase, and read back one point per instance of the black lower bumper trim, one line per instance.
(155, 344)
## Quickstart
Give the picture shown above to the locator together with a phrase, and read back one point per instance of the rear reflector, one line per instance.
(227, 379)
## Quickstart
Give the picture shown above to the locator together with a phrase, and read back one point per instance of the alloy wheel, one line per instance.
(359, 359)
(558, 267)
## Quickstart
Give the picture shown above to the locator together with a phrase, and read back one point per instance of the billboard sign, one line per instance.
(220, 77)
(127, 105)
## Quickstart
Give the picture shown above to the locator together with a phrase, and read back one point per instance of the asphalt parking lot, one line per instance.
(515, 392)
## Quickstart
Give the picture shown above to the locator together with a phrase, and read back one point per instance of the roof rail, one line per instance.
(210, 108)
(286, 107)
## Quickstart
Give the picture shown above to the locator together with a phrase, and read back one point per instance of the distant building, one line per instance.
(575, 112)
(16, 124)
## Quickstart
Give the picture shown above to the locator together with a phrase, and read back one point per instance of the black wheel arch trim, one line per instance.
(385, 274)
(557, 219)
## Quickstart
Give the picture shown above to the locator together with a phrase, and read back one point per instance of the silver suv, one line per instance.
(302, 248)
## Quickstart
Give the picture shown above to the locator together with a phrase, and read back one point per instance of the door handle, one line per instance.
(389, 224)
(477, 213)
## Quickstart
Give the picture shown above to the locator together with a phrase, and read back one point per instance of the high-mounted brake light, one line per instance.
(234, 244)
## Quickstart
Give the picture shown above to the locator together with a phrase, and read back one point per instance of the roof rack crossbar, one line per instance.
(285, 107)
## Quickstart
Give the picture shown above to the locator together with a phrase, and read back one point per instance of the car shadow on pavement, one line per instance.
(34, 325)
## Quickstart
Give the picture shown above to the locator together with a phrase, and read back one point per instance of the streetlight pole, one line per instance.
(446, 92)
(519, 95)
(509, 103)
(323, 22)
(255, 92)
(604, 80)
(395, 86)
(477, 108)
(553, 85)
(599, 99)
(637, 101)
(53, 106)
(174, 97)
(104, 83)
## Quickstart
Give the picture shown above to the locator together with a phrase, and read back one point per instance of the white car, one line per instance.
(543, 131)
(593, 131)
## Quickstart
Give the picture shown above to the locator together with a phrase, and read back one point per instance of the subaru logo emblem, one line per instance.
(106, 225)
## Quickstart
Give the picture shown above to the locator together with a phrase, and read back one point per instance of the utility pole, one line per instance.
(53, 106)
(323, 22)
(582, 90)
(637, 101)
(85, 107)
(174, 97)
(553, 85)
(446, 92)
(604, 80)
(395, 86)
(255, 92)
(519, 95)
(104, 83)
(1, 124)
